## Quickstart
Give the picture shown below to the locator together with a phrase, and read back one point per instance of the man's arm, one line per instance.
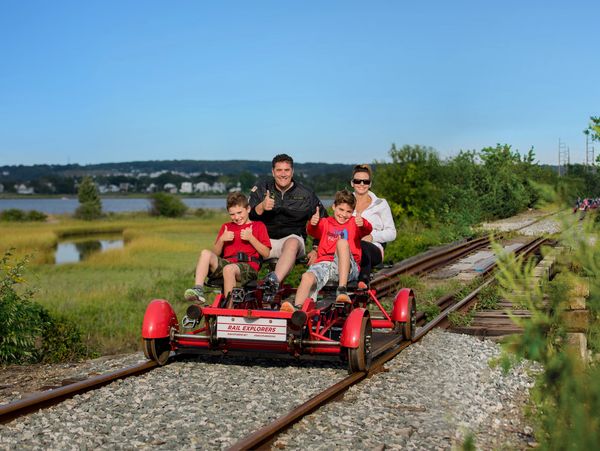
(261, 200)
(256, 199)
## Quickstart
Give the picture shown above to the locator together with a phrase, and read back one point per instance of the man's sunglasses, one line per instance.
(358, 182)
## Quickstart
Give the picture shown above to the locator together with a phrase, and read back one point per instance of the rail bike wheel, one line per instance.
(157, 349)
(359, 359)
(409, 327)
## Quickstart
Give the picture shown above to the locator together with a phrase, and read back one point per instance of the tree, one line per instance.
(594, 128)
(90, 206)
(503, 192)
(410, 182)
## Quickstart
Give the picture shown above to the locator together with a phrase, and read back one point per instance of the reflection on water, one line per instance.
(74, 251)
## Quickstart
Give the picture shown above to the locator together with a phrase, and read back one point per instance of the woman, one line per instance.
(377, 212)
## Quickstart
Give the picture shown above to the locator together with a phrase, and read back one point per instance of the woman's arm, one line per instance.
(389, 228)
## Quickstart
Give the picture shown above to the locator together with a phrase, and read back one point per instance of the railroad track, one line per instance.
(268, 433)
(384, 349)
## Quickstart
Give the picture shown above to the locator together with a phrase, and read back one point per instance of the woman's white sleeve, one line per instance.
(389, 228)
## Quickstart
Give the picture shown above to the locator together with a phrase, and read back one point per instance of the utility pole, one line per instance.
(590, 161)
(563, 158)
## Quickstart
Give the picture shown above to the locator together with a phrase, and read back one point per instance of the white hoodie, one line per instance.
(378, 213)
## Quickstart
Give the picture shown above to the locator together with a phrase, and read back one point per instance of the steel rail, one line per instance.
(386, 279)
(15, 409)
(266, 434)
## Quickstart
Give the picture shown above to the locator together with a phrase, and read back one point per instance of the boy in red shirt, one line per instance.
(339, 250)
(240, 236)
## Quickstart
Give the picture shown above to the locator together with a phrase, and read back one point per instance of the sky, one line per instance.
(324, 81)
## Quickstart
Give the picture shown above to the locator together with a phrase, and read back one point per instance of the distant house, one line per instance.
(186, 187)
(24, 189)
(103, 189)
(236, 188)
(151, 188)
(124, 187)
(1, 188)
(170, 188)
(201, 187)
(219, 187)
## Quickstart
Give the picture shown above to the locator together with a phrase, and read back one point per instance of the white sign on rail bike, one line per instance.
(266, 329)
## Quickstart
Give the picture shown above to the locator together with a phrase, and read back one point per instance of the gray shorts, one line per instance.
(326, 271)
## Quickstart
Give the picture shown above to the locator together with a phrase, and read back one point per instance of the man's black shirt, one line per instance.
(292, 210)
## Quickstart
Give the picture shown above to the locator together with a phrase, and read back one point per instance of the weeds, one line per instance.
(566, 395)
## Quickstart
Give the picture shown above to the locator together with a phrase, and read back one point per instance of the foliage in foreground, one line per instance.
(567, 393)
(28, 333)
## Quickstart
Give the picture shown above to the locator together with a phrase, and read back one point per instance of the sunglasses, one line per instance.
(364, 182)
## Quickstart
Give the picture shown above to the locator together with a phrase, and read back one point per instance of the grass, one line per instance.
(107, 294)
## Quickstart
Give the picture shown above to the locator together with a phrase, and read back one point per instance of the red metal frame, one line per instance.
(330, 330)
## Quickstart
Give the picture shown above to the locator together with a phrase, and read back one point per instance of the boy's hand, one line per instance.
(246, 234)
(227, 235)
(359, 220)
(268, 202)
(314, 220)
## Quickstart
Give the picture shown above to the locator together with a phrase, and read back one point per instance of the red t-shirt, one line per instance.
(231, 248)
(329, 231)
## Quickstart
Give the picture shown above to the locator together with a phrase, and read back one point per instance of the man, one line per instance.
(284, 206)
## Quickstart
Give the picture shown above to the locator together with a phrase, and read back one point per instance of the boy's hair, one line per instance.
(237, 198)
(282, 157)
(362, 168)
(345, 197)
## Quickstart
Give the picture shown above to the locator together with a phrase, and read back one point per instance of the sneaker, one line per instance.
(271, 283)
(195, 294)
(287, 307)
(342, 296)
(361, 285)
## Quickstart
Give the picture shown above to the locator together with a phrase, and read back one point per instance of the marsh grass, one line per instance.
(107, 293)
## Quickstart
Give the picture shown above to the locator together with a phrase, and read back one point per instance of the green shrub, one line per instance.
(28, 333)
(35, 215)
(12, 214)
(88, 211)
(16, 215)
(62, 340)
(20, 325)
(164, 204)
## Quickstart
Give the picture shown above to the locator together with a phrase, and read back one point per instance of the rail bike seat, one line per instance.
(331, 286)
(218, 283)
(270, 263)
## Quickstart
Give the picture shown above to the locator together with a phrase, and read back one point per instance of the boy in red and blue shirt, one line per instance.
(339, 250)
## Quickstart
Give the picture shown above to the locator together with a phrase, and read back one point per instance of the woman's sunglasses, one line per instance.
(358, 182)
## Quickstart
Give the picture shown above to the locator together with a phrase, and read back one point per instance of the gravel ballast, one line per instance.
(433, 393)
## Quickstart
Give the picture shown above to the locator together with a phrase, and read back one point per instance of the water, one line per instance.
(76, 250)
(115, 205)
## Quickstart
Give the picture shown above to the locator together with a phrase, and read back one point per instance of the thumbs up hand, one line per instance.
(359, 220)
(269, 201)
(227, 235)
(246, 233)
(314, 220)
